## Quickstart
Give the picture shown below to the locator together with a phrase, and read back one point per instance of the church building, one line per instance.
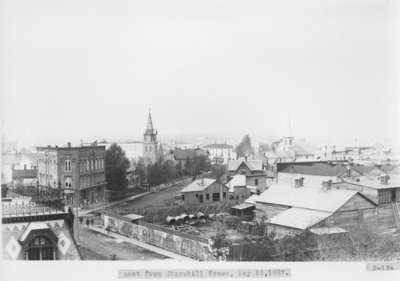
(150, 142)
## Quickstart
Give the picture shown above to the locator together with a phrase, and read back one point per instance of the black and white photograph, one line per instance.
(200, 139)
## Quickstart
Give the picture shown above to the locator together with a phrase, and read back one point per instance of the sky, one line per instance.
(89, 69)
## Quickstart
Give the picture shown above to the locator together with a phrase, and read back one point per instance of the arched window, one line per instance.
(87, 165)
(67, 165)
(41, 248)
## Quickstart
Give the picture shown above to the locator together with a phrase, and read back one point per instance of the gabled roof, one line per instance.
(237, 180)
(253, 165)
(199, 185)
(306, 197)
(366, 170)
(388, 167)
(313, 168)
(299, 218)
(24, 174)
(33, 226)
(12, 233)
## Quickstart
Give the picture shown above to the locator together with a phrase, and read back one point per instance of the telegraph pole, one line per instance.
(76, 203)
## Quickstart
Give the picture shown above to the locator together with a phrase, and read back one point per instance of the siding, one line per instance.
(268, 210)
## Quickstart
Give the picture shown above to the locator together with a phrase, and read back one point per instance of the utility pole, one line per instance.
(76, 204)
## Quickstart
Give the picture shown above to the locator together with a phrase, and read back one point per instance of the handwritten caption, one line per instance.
(204, 273)
(383, 266)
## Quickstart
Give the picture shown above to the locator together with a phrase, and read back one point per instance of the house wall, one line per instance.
(261, 182)
(282, 231)
(268, 210)
(191, 198)
(356, 212)
(241, 192)
(385, 195)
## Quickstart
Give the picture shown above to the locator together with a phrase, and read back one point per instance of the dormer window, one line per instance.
(39, 242)
(41, 248)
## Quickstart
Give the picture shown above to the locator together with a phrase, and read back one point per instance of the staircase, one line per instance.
(396, 212)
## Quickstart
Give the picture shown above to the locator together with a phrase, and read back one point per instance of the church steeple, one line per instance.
(150, 143)
(149, 127)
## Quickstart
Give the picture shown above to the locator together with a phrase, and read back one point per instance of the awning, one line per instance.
(242, 206)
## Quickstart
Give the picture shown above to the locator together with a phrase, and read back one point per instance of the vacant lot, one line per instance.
(96, 246)
(162, 198)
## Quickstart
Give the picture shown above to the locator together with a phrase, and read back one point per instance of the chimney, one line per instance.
(299, 182)
(384, 179)
(69, 144)
(327, 184)
(245, 158)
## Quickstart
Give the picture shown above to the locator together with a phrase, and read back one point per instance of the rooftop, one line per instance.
(393, 182)
(199, 185)
(26, 174)
(219, 146)
(253, 165)
(237, 180)
(333, 169)
(306, 197)
(299, 218)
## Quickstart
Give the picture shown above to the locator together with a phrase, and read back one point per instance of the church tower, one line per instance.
(150, 143)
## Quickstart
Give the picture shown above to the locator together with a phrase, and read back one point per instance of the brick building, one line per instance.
(72, 169)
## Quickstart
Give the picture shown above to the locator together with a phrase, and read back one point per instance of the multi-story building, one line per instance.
(220, 153)
(78, 171)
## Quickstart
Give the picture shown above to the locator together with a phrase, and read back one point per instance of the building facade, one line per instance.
(220, 153)
(78, 172)
(203, 191)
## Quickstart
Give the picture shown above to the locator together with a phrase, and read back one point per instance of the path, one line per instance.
(143, 245)
(85, 212)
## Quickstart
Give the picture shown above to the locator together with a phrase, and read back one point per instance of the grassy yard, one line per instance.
(97, 246)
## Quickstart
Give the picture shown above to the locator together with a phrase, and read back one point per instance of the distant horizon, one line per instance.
(314, 69)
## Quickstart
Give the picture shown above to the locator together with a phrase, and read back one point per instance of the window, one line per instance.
(68, 182)
(68, 165)
(41, 248)
(201, 198)
(207, 196)
(224, 195)
(183, 197)
(216, 197)
(256, 182)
